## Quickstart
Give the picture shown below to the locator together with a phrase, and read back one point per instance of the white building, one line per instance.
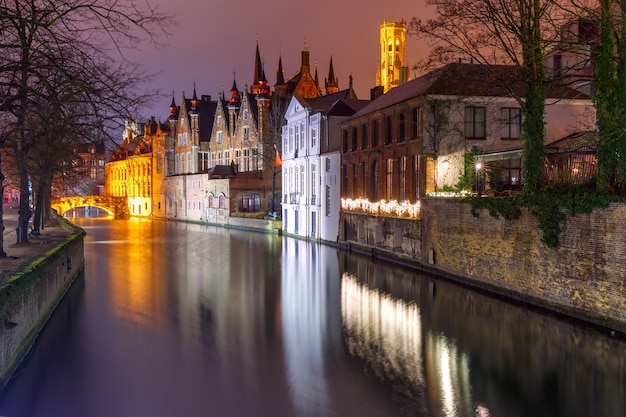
(311, 163)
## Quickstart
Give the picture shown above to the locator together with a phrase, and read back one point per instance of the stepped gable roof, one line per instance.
(224, 106)
(253, 107)
(468, 80)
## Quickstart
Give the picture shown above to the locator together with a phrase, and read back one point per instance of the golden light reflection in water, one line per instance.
(384, 331)
(388, 333)
(134, 291)
(448, 368)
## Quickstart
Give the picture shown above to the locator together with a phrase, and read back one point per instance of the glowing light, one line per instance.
(392, 208)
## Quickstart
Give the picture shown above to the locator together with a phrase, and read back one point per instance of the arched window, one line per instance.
(222, 201)
(211, 200)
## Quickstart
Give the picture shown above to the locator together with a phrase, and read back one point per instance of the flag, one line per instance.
(277, 161)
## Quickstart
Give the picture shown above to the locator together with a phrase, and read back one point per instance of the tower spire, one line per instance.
(331, 84)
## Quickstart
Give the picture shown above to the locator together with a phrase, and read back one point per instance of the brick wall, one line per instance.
(584, 277)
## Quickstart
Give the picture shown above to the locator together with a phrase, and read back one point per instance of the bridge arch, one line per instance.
(115, 206)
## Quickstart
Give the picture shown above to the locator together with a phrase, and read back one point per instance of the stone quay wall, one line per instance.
(584, 277)
(29, 297)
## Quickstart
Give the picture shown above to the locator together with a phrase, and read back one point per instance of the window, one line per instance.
(313, 183)
(475, 122)
(255, 159)
(511, 122)
(512, 172)
(302, 136)
(375, 133)
(416, 123)
(219, 120)
(249, 203)
(364, 179)
(297, 135)
(389, 180)
(246, 133)
(402, 178)
(355, 178)
(416, 177)
(354, 139)
(314, 137)
(344, 177)
(246, 160)
(302, 177)
(364, 137)
(245, 114)
(290, 138)
(218, 137)
(327, 164)
(211, 200)
(401, 127)
(222, 201)
(344, 140)
(389, 130)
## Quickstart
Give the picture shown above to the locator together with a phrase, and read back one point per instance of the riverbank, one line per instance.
(34, 278)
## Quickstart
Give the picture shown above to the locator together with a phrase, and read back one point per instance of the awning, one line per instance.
(499, 156)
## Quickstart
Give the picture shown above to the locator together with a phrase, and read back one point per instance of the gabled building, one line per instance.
(414, 139)
(137, 168)
(311, 163)
(191, 126)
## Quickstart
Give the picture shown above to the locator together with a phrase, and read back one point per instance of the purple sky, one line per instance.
(214, 38)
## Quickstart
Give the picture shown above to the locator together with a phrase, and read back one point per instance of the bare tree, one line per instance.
(517, 32)
(72, 40)
(272, 142)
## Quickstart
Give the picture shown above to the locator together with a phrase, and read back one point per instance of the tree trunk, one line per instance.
(2, 252)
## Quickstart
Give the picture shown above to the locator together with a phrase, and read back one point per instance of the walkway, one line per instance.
(18, 256)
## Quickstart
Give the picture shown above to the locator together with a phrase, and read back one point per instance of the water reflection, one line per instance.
(466, 354)
(182, 319)
(307, 313)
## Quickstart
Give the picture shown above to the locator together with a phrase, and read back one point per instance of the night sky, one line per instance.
(217, 38)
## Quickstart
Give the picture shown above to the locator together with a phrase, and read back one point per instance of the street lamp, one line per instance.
(479, 165)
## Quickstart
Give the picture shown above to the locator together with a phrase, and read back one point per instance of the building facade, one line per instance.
(311, 161)
(414, 139)
(137, 168)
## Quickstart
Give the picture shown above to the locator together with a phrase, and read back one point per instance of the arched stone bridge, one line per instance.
(115, 206)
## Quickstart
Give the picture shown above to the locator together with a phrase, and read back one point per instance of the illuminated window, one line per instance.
(389, 180)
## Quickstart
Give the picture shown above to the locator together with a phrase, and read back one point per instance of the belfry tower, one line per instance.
(392, 55)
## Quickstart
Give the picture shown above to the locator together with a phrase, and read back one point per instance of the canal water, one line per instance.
(174, 319)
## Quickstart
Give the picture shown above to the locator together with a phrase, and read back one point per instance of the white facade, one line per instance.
(311, 194)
